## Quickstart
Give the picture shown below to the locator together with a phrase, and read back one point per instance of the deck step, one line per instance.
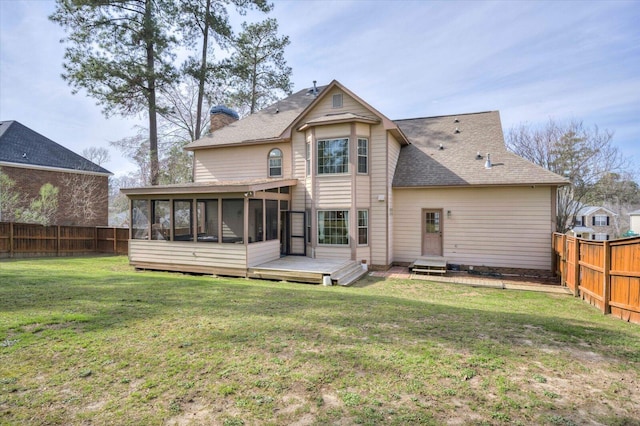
(429, 265)
(348, 274)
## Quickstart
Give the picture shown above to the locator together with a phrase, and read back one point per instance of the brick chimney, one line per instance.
(221, 116)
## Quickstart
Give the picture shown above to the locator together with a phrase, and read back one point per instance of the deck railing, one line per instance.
(31, 240)
(606, 274)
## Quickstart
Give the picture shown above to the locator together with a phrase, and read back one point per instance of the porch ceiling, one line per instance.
(211, 187)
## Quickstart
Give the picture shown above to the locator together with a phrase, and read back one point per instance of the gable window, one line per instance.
(363, 227)
(600, 220)
(363, 155)
(333, 227)
(337, 100)
(275, 163)
(333, 156)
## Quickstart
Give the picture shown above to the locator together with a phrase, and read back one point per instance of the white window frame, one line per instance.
(364, 155)
(274, 160)
(600, 220)
(363, 224)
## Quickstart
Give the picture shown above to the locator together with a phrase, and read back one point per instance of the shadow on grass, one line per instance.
(101, 297)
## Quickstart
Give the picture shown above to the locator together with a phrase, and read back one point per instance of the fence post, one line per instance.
(563, 262)
(115, 241)
(57, 240)
(606, 285)
(95, 239)
(11, 239)
(576, 266)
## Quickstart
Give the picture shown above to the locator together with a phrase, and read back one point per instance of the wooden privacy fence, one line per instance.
(606, 274)
(30, 240)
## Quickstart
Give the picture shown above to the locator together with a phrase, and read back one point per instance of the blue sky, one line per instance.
(530, 60)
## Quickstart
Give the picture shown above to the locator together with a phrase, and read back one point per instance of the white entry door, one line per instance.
(432, 232)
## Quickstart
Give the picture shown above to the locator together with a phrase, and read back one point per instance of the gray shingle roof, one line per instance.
(423, 163)
(21, 145)
(266, 124)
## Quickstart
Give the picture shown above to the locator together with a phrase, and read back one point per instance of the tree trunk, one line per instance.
(151, 83)
(203, 71)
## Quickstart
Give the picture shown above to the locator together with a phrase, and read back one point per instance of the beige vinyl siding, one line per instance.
(333, 191)
(333, 131)
(498, 227)
(298, 152)
(325, 107)
(394, 154)
(259, 253)
(363, 192)
(238, 162)
(363, 253)
(333, 252)
(188, 256)
(379, 187)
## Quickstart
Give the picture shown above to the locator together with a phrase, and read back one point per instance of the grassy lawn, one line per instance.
(91, 341)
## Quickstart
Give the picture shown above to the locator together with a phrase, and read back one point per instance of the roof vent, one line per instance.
(441, 147)
(478, 156)
(315, 88)
(457, 130)
(456, 121)
(487, 164)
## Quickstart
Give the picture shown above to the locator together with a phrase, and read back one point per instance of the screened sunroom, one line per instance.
(222, 228)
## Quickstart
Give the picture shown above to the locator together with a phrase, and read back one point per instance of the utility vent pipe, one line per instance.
(487, 164)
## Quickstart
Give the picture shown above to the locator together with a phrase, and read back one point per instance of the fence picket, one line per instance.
(606, 274)
(26, 239)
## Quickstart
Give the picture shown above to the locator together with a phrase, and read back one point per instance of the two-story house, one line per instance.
(325, 175)
(593, 223)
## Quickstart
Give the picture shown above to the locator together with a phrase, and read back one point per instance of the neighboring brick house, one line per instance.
(32, 160)
(594, 223)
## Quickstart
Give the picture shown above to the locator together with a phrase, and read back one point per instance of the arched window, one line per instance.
(275, 163)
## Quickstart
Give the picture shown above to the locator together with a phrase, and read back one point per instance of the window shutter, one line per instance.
(593, 221)
(607, 220)
(584, 221)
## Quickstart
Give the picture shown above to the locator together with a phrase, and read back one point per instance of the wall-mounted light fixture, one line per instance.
(248, 194)
(448, 214)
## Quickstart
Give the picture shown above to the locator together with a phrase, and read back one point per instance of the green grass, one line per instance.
(90, 340)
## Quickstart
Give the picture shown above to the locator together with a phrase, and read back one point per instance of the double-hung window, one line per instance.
(333, 156)
(363, 155)
(600, 220)
(275, 163)
(363, 227)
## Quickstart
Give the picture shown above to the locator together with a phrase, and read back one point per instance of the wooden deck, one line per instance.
(429, 265)
(308, 270)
